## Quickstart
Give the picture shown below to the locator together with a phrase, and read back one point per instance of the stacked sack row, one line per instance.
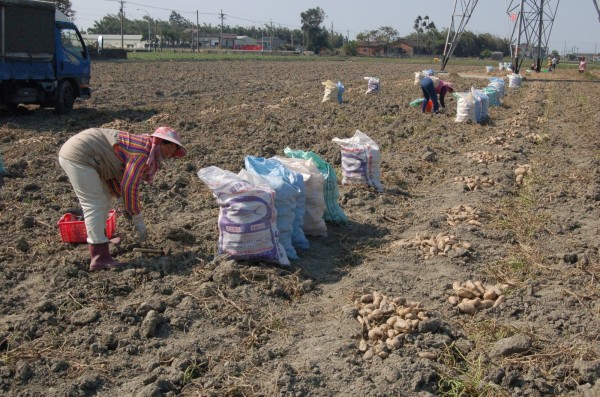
(474, 105)
(267, 209)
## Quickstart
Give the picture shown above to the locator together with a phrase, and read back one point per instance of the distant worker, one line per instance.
(554, 63)
(549, 64)
(534, 67)
(582, 64)
(431, 87)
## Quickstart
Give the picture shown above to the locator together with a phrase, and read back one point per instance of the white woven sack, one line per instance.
(331, 90)
(465, 108)
(360, 161)
(314, 224)
(247, 217)
(515, 80)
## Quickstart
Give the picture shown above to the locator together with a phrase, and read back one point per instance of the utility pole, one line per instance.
(332, 35)
(149, 42)
(221, 39)
(540, 31)
(197, 32)
(271, 45)
(121, 12)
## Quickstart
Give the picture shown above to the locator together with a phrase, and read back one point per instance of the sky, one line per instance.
(576, 25)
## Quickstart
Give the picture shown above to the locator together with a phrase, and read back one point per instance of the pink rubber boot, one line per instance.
(101, 258)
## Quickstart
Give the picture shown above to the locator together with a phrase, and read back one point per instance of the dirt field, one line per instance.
(454, 211)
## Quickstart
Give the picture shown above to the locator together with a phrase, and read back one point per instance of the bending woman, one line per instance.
(431, 87)
(102, 163)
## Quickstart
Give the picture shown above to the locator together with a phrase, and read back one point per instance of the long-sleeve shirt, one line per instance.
(133, 151)
(118, 157)
(442, 88)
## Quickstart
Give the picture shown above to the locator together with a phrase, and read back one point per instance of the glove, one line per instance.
(140, 226)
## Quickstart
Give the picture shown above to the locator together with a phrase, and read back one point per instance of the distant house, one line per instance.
(381, 49)
(132, 41)
(247, 43)
(213, 40)
(269, 43)
(497, 55)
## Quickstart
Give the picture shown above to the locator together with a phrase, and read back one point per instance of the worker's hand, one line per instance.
(140, 226)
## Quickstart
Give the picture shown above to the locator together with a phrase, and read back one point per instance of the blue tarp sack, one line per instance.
(492, 94)
(290, 201)
(497, 83)
(340, 92)
(2, 169)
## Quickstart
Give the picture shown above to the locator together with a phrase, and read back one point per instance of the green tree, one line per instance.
(65, 7)
(382, 37)
(111, 24)
(316, 35)
(468, 46)
(426, 34)
(350, 48)
(178, 25)
(424, 25)
(369, 37)
(388, 34)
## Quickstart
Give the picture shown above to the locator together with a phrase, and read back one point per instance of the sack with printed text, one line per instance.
(290, 201)
(247, 216)
(360, 161)
(373, 85)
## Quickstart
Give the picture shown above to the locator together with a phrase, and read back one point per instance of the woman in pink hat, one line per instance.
(102, 163)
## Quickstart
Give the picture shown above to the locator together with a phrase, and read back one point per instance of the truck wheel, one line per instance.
(65, 98)
(12, 107)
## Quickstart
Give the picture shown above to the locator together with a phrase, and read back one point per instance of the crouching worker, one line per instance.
(431, 87)
(102, 163)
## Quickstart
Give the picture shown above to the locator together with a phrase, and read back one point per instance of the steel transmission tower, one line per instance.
(533, 21)
(455, 31)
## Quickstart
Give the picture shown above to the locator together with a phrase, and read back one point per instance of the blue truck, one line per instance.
(43, 58)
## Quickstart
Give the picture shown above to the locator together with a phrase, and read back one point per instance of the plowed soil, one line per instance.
(191, 323)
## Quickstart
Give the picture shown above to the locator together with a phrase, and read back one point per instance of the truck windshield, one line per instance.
(70, 41)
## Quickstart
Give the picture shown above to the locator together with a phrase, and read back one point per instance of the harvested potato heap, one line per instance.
(497, 140)
(512, 133)
(464, 214)
(474, 182)
(537, 138)
(520, 173)
(483, 157)
(386, 321)
(430, 246)
(472, 296)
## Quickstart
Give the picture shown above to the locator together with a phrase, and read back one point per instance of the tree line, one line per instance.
(425, 38)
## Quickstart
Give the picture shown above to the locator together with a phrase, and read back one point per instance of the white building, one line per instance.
(131, 41)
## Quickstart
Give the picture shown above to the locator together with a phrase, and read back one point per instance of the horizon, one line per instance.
(355, 17)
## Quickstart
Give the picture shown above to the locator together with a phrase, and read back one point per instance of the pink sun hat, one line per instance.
(169, 134)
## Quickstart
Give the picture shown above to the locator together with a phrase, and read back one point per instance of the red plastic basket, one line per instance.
(72, 229)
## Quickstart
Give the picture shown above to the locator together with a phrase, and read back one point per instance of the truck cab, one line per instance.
(43, 58)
